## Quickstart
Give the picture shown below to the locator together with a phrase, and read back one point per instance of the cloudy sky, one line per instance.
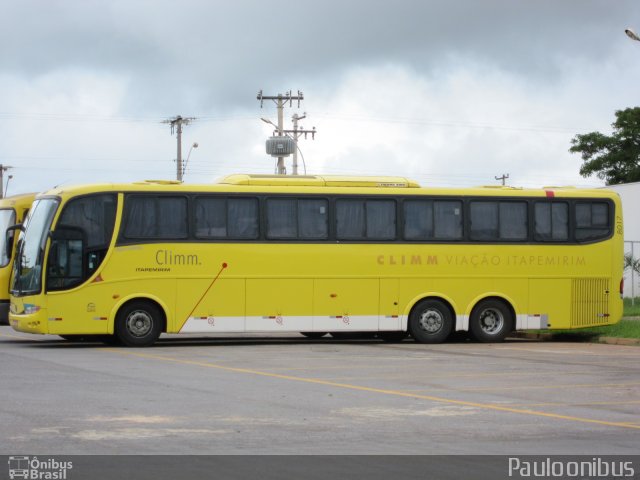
(446, 92)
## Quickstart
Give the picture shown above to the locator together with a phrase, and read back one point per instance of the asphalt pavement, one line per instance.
(271, 394)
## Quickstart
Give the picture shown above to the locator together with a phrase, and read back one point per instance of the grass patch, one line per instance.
(631, 310)
(622, 329)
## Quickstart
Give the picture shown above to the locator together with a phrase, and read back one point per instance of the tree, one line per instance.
(614, 158)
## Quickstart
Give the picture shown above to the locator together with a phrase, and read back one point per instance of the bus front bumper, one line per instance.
(29, 322)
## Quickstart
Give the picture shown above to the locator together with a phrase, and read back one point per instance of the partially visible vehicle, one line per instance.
(13, 211)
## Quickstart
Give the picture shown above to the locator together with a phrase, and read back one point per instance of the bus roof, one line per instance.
(318, 181)
(383, 185)
(18, 199)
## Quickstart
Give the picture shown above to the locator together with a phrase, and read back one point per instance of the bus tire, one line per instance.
(491, 321)
(139, 324)
(392, 337)
(430, 321)
(314, 335)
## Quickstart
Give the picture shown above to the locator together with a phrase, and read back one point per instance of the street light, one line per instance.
(266, 120)
(184, 169)
(6, 187)
(632, 35)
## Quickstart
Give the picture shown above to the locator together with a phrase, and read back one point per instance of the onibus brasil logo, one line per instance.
(35, 469)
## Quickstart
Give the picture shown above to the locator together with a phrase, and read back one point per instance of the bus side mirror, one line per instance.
(8, 240)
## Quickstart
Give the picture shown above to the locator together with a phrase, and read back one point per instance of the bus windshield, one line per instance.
(7, 218)
(27, 277)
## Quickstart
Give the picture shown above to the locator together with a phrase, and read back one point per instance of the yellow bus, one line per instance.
(13, 210)
(316, 254)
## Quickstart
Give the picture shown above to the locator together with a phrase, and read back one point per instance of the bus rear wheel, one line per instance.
(139, 324)
(491, 321)
(430, 321)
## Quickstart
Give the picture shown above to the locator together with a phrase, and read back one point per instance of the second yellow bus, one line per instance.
(13, 210)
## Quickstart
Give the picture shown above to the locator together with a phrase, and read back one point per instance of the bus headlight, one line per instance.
(29, 308)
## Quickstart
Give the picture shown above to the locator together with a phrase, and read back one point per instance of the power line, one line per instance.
(366, 118)
(446, 123)
(111, 118)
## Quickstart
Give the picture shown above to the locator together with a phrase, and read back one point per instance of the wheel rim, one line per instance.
(431, 321)
(139, 323)
(491, 321)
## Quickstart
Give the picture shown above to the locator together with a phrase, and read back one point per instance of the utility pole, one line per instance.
(503, 178)
(280, 100)
(297, 134)
(3, 168)
(176, 125)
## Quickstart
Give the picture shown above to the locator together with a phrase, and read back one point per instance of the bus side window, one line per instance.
(447, 216)
(513, 221)
(95, 216)
(211, 217)
(297, 218)
(366, 219)
(484, 220)
(350, 218)
(242, 218)
(313, 219)
(156, 217)
(432, 220)
(418, 219)
(381, 219)
(226, 218)
(282, 218)
(592, 220)
(551, 221)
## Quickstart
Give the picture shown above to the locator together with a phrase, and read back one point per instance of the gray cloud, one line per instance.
(208, 55)
(451, 92)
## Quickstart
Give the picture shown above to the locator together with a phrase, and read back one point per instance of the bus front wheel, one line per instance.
(430, 321)
(491, 321)
(139, 324)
